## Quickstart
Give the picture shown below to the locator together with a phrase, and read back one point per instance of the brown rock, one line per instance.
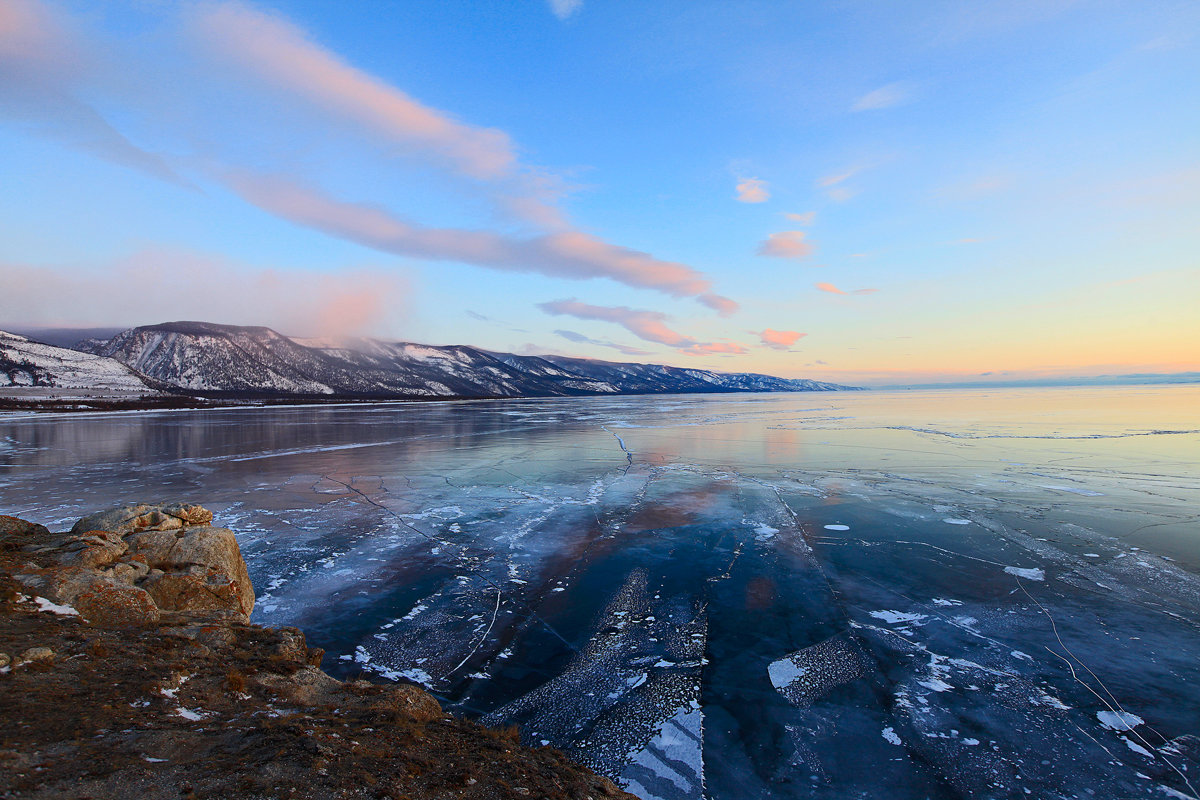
(108, 604)
(34, 654)
(144, 516)
(214, 549)
(93, 549)
(182, 591)
(12, 526)
(308, 686)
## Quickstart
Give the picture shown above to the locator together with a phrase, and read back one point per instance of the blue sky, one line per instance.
(854, 191)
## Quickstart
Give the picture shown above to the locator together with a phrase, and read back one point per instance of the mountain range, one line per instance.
(213, 359)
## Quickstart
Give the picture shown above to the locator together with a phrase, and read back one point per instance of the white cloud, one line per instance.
(890, 96)
(565, 9)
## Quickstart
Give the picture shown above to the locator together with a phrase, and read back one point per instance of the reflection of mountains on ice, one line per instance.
(928, 617)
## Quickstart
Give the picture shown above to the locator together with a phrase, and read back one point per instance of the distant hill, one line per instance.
(207, 357)
(28, 364)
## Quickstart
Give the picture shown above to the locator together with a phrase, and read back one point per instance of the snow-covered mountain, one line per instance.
(26, 363)
(202, 356)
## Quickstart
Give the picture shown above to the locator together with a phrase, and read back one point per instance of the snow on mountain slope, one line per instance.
(209, 357)
(26, 363)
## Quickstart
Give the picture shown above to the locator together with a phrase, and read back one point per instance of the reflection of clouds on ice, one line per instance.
(492, 551)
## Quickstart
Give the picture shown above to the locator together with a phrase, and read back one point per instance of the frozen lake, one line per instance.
(884, 594)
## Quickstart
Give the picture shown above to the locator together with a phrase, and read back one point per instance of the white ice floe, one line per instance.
(956, 521)
(1027, 574)
(890, 735)
(1074, 490)
(970, 742)
(1137, 748)
(837, 527)
(941, 601)
(785, 672)
(899, 617)
(1119, 720)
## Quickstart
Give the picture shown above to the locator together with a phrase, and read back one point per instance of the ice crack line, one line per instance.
(620, 441)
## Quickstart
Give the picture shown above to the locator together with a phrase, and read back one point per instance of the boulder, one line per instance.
(93, 549)
(215, 550)
(128, 565)
(144, 516)
(114, 605)
(16, 533)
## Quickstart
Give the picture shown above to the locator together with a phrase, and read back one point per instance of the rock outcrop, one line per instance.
(128, 565)
(128, 669)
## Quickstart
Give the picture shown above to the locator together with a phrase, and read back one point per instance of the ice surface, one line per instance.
(669, 602)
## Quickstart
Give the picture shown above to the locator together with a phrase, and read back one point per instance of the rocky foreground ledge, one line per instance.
(129, 669)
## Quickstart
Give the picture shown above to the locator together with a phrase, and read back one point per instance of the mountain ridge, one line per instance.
(206, 357)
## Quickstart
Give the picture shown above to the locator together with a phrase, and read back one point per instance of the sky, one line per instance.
(870, 193)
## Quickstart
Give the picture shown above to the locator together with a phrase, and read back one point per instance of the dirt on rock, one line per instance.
(194, 702)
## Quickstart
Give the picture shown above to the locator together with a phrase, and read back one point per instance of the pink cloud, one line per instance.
(829, 287)
(648, 325)
(573, 336)
(752, 190)
(786, 244)
(802, 219)
(295, 302)
(568, 254)
(722, 305)
(282, 55)
(715, 348)
(780, 340)
(40, 65)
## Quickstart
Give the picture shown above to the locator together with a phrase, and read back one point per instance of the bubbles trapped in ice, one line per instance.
(805, 675)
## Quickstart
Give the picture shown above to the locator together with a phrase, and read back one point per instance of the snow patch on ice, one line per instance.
(837, 527)
(899, 617)
(1027, 574)
(890, 735)
(1119, 720)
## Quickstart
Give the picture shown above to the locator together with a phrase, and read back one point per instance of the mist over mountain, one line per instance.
(208, 357)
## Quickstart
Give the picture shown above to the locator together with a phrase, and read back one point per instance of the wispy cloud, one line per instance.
(786, 244)
(890, 96)
(752, 190)
(806, 218)
(569, 254)
(722, 305)
(779, 340)
(278, 53)
(829, 287)
(296, 302)
(565, 9)
(40, 66)
(716, 348)
(647, 325)
(579, 338)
